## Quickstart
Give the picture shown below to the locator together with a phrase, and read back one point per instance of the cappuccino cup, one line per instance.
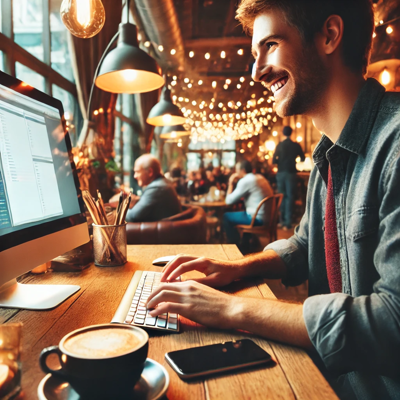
(100, 361)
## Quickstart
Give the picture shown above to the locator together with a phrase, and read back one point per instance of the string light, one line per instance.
(242, 79)
(223, 54)
(147, 44)
(385, 77)
(298, 125)
(251, 83)
(191, 54)
(240, 52)
(228, 81)
(389, 30)
(190, 85)
(186, 80)
(200, 82)
(275, 133)
(207, 56)
(214, 84)
(173, 52)
(226, 86)
(174, 77)
(161, 48)
(238, 85)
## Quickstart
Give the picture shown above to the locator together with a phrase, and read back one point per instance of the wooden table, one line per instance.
(293, 377)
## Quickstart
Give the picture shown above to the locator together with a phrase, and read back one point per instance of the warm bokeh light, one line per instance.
(214, 84)
(191, 54)
(270, 145)
(298, 125)
(167, 118)
(129, 75)
(207, 56)
(161, 47)
(173, 51)
(385, 77)
(299, 139)
(275, 133)
(223, 54)
(240, 52)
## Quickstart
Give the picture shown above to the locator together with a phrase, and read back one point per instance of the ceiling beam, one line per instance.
(218, 42)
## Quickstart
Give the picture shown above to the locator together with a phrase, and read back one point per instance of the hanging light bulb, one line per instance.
(83, 18)
(385, 77)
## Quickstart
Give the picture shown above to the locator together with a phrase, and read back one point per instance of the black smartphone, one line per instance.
(205, 360)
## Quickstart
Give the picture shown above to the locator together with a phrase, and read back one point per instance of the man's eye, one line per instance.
(270, 45)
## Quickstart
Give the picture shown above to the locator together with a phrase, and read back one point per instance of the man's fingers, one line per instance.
(197, 264)
(165, 296)
(210, 280)
(175, 308)
(178, 260)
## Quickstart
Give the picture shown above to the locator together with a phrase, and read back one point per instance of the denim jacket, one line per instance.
(356, 332)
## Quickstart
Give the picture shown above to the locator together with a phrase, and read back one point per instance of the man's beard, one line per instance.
(309, 82)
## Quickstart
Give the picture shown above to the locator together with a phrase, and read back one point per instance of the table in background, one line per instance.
(293, 377)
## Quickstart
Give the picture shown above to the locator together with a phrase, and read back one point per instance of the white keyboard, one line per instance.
(132, 308)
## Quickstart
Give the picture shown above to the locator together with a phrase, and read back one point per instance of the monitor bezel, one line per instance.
(19, 237)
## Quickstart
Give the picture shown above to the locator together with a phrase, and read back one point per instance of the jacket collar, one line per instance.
(359, 125)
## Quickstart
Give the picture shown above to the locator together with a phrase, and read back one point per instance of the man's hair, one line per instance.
(287, 131)
(149, 161)
(308, 16)
(246, 166)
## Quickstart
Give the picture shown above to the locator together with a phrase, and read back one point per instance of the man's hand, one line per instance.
(194, 301)
(233, 177)
(218, 273)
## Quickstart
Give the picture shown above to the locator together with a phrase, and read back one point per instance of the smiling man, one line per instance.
(313, 55)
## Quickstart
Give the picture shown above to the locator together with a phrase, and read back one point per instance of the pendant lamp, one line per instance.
(127, 68)
(174, 132)
(165, 112)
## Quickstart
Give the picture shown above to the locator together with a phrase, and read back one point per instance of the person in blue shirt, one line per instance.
(285, 156)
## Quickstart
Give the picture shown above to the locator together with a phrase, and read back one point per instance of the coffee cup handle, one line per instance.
(43, 361)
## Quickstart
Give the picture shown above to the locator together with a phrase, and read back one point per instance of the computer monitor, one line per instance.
(41, 209)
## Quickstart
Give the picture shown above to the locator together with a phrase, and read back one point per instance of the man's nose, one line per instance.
(260, 68)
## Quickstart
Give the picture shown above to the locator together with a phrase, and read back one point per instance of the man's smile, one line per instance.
(279, 85)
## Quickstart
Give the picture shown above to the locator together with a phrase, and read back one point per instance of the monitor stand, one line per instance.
(34, 297)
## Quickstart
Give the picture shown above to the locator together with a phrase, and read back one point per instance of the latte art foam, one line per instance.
(102, 343)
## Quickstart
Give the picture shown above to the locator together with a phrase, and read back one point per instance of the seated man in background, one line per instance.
(252, 188)
(159, 199)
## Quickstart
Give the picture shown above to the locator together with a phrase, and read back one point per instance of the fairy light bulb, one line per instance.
(385, 77)
(129, 75)
(83, 18)
(389, 30)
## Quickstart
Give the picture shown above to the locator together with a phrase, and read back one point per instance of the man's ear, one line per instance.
(331, 35)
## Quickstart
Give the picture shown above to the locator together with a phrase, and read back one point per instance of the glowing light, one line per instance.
(298, 125)
(220, 105)
(207, 56)
(186, 80)
(223, 54)
(179, 144)
(252, 83)
(173, 52)
(242, 151)
(275, 133)
(190, 85)
(167, 118)
(147, 43)
(173, 83)
(200, 82)
(226, 86)
(95, 112)
(385, 77)
(238, 85)
(174, 78)
(161, 48)
(194, 102)
(240, 52)
(242, 79)
(299, 139)
(228, 81)
(374, 35)
(389, 30)
(270, 145)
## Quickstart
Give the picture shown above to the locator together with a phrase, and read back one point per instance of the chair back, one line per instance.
(271, 206)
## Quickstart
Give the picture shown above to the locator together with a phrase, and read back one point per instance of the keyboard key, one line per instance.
(161, 322)
(140, 308)
(128, 319)
(173, 315)
(139, 321)
(172, 325)
(150, 321)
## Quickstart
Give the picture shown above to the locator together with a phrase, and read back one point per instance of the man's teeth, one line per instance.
(276, 86)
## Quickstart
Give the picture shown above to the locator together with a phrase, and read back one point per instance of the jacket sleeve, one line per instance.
(363, 333)
(144, 207)
(294, 251)
(301, 153)
(275, 158)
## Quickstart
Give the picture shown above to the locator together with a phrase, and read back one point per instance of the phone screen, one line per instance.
(217, 357)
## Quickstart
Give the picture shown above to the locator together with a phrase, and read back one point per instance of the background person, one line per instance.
(286, 179)
(252, 188)
(159, 199)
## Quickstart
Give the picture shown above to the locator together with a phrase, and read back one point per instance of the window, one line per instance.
(28, 26)
(60, 54)
(72, 112)
(30, 77)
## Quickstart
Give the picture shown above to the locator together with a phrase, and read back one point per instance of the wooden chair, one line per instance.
(271, 206)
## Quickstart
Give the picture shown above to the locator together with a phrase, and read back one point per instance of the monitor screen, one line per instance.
(37, 183)
(41, 209)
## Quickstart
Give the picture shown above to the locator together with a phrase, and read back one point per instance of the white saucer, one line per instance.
(152, 385)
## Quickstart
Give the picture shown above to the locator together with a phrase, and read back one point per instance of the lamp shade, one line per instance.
(174, 132)
(127, 68)
(165, 112)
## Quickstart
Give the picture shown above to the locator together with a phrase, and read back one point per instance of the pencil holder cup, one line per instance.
(109, 245)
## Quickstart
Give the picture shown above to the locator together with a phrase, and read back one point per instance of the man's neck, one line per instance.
(337, 103)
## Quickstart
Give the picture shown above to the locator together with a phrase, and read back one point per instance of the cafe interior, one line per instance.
(170, 78)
